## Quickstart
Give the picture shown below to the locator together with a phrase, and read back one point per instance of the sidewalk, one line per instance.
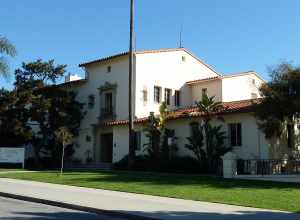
(136, 204)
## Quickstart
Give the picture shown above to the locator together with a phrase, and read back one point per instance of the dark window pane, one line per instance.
(232, 134)
(239, 134)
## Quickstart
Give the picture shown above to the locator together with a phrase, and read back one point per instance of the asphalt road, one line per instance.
(11, 209)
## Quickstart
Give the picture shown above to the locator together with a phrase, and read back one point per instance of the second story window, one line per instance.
(157, 94)
(177, 98)
(108, 103)
(204, 92)
(235, 134)
(168, 93)
(254, 95)
(91, 101)
(108, 70)
(145, 95)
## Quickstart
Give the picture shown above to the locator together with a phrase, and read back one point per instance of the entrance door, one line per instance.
(106, 148)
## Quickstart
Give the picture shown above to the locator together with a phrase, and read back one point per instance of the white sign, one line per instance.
(12, 155)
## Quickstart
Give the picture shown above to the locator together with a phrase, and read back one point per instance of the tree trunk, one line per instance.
(62, 159)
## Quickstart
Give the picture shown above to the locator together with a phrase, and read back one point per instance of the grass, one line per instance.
(261, 194)
(9, 169)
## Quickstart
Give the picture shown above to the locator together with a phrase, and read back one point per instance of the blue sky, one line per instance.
(231, 36)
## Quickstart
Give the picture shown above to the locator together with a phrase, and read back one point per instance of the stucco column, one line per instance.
(229, 165)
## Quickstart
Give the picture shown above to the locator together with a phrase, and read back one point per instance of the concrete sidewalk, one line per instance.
(136, 204)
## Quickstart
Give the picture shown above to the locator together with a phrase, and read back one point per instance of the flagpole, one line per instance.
(130, 86)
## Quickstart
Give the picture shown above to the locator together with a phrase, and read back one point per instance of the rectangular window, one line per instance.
(235, 134)
(91, 101)
(108, 104)
(204, 92)
(145, 95)
(177, 98)
(157, 94)
(168, 93)
(137, 140)
(253, 95)
(108, 69)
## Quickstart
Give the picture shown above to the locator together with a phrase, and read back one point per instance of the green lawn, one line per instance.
(8, 169)
(263, 194)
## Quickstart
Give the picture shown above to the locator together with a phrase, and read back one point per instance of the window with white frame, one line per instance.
(235, 134)
(157, 94)
(168, 93)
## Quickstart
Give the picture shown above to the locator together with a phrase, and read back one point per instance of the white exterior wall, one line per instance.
(166, 70)
(254, 144)
(240, 87)
(214, 88)
(97, 77)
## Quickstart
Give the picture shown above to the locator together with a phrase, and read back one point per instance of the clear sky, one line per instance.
(231, 35)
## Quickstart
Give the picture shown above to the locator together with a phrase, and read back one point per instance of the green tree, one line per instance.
(36, 108)
(6, 49)
(208, 107)
(279, 109)
(159, 147)
(196, 141)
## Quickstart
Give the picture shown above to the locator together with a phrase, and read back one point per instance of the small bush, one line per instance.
(174, 165)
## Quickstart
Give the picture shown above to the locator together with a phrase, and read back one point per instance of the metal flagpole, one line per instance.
(130, 86)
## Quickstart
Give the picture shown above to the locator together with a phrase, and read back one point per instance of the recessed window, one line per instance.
(91, 101)
(235, 134)
(108, 69)
(183, 58)
(108, 102)
(168, 93)
(177, 98)
(137, 140)
(253, 81)
(88, 138)
(145, 95)
(253, 95)
(157, 94)
(204, 92)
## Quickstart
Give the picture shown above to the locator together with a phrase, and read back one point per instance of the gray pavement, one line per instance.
(141, 205)
(11, 209)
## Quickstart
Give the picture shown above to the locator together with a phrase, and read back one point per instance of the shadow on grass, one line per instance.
(176, 179)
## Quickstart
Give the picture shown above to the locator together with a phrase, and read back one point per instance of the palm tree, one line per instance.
(65, 137)
(209, 107)
(6, 48)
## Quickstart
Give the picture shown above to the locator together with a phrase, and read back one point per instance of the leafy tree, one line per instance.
(209, 107)
(37, 108)
(217, 138)
(65, 137)
(158, 147)
(279, 110)
(196, 141)
(6, 48)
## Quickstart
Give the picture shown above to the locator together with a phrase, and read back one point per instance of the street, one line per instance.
(11, 209)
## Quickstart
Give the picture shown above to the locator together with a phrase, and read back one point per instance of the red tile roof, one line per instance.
(243, 106)
(203, 80)
(223, 77)
(74, 82)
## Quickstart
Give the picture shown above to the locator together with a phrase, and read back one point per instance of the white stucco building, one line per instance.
(175, 76)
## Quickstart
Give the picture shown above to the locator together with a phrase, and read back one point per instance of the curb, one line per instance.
(116, 214)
